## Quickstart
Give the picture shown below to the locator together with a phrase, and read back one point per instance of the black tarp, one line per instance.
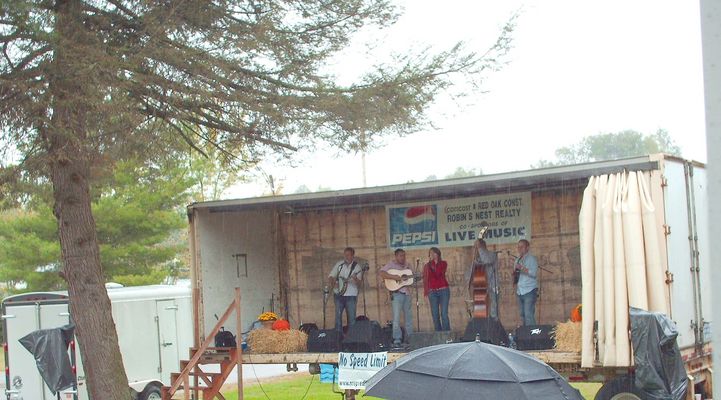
(660, 372)
(50, 349)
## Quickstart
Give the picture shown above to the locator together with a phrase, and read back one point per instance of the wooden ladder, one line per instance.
(209, 384)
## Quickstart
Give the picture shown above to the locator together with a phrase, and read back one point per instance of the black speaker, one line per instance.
(489, 330)
(308, 328)
(387, 337)
(324, 341)
(388, 333)
(419, 340)
(534, 337)
(365, 337)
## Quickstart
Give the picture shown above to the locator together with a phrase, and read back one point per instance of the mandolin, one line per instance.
(516, 268)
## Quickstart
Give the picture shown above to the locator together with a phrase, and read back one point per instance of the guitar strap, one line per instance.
(352, 267)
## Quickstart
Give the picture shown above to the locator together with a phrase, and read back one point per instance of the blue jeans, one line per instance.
(401, 302)
(348, 304)
(527, 307)
(439, 308)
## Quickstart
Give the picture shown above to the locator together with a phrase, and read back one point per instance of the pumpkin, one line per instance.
(576, 313)
(281, 325)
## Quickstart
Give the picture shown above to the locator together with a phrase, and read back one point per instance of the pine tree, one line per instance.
(85, 83)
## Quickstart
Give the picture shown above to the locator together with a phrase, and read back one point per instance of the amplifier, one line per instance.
(489, 330)
(364, 337)
(324, 341)
(534, 337)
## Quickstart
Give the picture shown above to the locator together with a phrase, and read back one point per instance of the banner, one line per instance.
(456, 222)
(354, 369)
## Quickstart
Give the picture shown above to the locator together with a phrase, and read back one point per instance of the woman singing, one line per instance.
(435, 287)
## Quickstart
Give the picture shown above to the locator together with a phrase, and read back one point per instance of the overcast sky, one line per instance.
(576, 69)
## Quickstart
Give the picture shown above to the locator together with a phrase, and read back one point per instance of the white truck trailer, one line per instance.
(154, 327)
(279, 249)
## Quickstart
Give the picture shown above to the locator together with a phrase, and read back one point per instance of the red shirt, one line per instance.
(434, 276)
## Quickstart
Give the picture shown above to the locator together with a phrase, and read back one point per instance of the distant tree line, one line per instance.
(612, 146)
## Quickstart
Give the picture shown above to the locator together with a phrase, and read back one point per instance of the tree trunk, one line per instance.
(89, 302)
(70, 155)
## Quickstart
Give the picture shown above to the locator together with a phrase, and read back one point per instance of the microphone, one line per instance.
(511, 255)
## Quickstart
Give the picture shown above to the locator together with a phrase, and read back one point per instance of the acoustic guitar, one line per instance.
(407, 279)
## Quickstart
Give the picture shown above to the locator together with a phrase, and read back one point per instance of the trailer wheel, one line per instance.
(151, 392)
(620, 388)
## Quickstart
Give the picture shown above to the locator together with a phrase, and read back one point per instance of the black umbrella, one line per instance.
(471, 370)
(50, 349)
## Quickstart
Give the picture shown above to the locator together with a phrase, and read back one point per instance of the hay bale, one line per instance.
(568, 336)
(266, 341)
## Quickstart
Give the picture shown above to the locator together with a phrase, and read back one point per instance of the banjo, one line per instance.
(342, 285)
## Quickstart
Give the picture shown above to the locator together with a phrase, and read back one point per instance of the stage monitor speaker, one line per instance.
(534, 337)
(418, 340)
(388, 333)
(308, 328)
(364, 337)
(489, 330)
(324, 341)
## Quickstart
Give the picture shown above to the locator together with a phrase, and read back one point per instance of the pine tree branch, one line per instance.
(119, 5)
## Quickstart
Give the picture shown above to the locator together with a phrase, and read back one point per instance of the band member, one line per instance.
(488, 260)
(345, 278)
(435, 287)
(401, 297)
(527, 288)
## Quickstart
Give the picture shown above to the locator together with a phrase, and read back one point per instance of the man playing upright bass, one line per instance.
(488, 260)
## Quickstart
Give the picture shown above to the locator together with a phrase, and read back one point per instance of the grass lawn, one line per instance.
(295, 388)
(588, 390)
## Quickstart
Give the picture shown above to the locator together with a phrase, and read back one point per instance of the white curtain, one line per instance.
(622, 261)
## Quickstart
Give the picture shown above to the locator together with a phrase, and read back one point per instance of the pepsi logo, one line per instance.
(419, 214)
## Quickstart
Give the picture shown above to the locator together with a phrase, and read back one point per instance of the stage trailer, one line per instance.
(609, 234)
(280, 249)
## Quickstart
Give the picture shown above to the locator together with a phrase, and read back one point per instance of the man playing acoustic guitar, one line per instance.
(401, 297)
(344, 278)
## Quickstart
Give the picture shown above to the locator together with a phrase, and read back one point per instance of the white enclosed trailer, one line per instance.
(154, 326)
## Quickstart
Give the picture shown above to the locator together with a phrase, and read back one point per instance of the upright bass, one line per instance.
(479, 285)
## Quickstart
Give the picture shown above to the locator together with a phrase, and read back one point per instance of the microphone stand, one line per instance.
(496, 290)
(325, 301)
(366, 268)
(418, 302)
